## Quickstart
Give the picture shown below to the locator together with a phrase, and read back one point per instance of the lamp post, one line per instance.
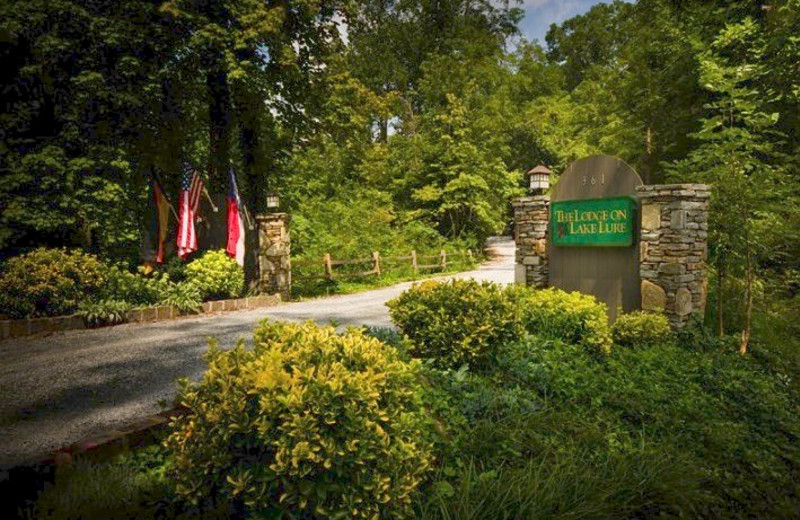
(539, 179)
(273, 201)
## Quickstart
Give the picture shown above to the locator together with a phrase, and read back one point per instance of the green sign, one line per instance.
(593, 222)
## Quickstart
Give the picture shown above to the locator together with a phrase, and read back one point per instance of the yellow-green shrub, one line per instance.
(216, 276)
(48, 282)
(640, 329)
(307, 424)
(570, 316)
(455, 322)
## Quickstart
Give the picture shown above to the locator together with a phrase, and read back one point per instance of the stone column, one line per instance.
(531, 217)
(673, 249)
(274, 250)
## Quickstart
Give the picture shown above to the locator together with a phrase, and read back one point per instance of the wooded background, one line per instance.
(389, 124)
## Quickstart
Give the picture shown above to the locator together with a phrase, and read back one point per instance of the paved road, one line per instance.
(65, 387)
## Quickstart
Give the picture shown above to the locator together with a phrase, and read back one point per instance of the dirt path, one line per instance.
(64, 387)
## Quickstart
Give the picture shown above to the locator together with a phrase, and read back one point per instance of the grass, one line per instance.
(130, 486)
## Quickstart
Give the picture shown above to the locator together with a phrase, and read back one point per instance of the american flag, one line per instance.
(191, 188)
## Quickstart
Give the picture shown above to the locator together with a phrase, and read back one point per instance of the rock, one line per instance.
(651, 217)
(672, 268)
(677, 219)
(654, 298)
(519, 274)
(683, 302)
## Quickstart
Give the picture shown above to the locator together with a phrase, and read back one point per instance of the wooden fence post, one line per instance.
(376, 257)
(328, 266)
(444, 259)
(414, 260)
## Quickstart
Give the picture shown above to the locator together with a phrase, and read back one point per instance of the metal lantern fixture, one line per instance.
(273, 201)
(539, 179)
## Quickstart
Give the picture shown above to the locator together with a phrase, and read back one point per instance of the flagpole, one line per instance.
(205, 191)
(155, 175)
(246, 213)
(249, 220)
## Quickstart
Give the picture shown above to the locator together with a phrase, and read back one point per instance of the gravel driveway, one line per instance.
(65, 387)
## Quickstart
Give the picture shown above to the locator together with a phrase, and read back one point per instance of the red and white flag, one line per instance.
(188, 202)
(235, 246)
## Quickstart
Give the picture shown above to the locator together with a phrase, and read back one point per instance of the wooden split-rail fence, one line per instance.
(418, 263)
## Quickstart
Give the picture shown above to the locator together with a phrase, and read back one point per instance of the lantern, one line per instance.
(539, 179)
(273, 201)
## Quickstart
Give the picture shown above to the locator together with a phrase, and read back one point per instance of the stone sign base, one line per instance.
(673, 249)
(672, 238)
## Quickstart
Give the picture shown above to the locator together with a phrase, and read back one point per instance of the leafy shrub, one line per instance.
(216, 275)
(48, 282)
(185, 296)
(135, 288)
(307, 424)
(103, 312)
(455, 322)
(572, 317)
(640, 329)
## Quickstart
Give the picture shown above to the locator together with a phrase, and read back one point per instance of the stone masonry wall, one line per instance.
(274, 265)
(673, 249)
(532, 215)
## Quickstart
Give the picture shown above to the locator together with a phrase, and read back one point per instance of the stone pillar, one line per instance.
(274, 250)
(673, 249)
(531, 217)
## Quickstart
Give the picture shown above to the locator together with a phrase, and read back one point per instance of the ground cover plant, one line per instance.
(654, 431)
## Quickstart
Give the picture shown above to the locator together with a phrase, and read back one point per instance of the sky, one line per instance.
(539, 14)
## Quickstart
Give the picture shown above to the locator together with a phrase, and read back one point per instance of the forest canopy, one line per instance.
(398, 121)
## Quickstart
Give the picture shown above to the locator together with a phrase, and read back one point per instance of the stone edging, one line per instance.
(30, 326)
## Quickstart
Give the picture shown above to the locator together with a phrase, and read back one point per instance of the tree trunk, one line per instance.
(720, 309)
(248, 136)
(219, 157)
(748, 315)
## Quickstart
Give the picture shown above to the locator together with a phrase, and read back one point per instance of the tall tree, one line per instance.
(735, 155)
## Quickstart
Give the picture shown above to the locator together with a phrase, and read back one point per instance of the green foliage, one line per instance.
(455, 322)
(135, 288)
(640, 329)
(451, 174)
(216, 276)
(103, 312)
(49, 282)
(561, 486)
(572, 317)
(123, 488)
(307, 424)
(667, 431)
(185, 296)
(464, 321)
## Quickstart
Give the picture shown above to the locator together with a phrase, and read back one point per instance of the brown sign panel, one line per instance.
(609, 273)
